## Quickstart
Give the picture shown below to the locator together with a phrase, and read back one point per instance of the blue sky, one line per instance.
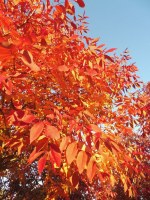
(123, 24)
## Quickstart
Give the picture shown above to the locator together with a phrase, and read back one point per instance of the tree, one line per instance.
(67, 106)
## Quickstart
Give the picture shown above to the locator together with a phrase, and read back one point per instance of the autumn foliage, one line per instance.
(68, 105)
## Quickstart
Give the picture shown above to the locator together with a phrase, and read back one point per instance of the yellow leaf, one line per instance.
(83, 147)
(85, 104)
(125, 186)
(41, 137)
(16, 2)
(90, 64)
(123, 178)
(130, 192)
(144, 113)
(73, 73)
(112, 180)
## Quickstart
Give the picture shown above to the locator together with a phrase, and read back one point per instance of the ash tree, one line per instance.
(68, 112)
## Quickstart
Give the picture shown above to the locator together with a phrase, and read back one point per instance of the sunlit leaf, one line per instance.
(71, 152)
(36, 131)
(91, 169)
(52, 132)
(64, 143)
(81, 161)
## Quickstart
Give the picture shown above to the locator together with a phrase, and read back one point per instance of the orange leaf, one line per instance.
(71, 152)
(41, 164)
(95, 128)
(64, 143)
(50, 116)
(8, 87)
(63, 68)
(28, 118)
(36, 130)
(16, 2)
(81, 161)
(52, 132)
(130, 192)
(91, 169)
(89, 114)
(20, 148)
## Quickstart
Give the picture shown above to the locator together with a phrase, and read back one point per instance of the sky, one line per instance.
(123, 24)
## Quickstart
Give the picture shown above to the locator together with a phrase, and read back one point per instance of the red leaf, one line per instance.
(34, 155)
(102, 176)
(69, 7)
(74, 25)
(81, 161)
(108, 144)
(41, 164)
(110, 50)
(75, 179)
(52, 132)
(89, 114)
(109, 58)
(97, 136)
(55, 155)
(80, 3)
(41, 143)
(91, 169)
(36, 130)
(71, 152)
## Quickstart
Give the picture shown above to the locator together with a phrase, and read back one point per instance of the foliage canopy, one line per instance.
(67, 107)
